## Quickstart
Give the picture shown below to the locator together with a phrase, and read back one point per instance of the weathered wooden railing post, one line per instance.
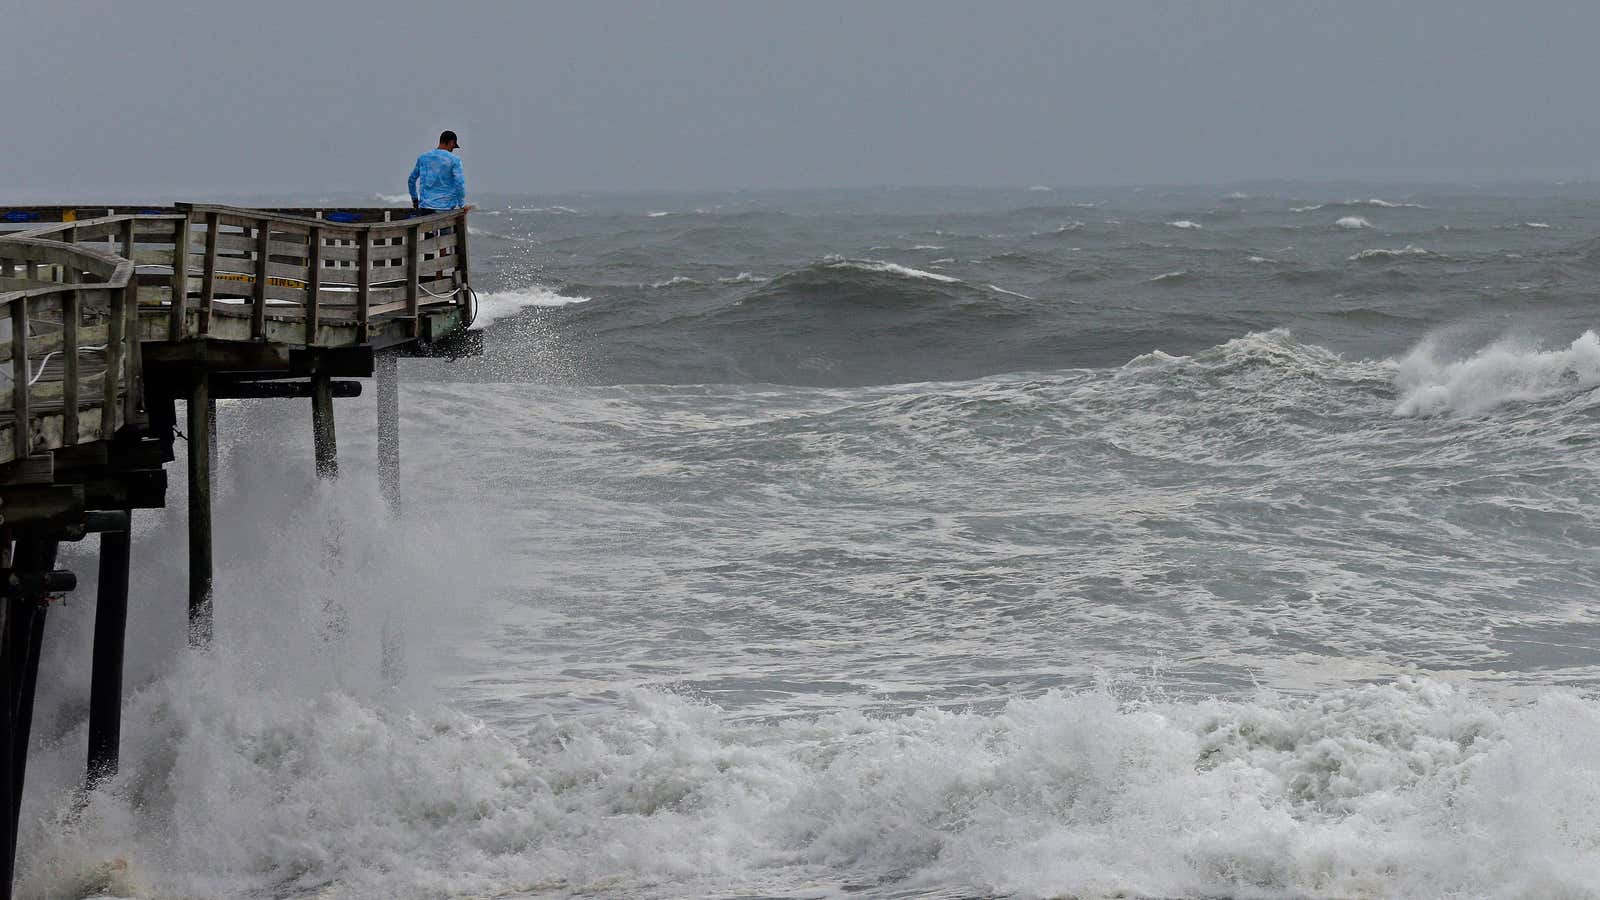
(364, 286)
(462, 269)
(413, 267)
(258, 312)
(110, 639)
(116, 328)
(22, 439)
(71, 311)
(313, 284)
(208, 274)
(179, 321)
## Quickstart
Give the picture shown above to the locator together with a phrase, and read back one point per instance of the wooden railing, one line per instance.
(68, 341)
(306, 276)
(291, 265)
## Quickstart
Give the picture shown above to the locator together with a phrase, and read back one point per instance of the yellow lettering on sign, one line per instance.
(273, 280)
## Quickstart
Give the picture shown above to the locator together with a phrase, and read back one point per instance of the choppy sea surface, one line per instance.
(1149, 542)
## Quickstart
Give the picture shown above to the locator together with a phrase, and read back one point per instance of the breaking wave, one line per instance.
(1502, 373)
(497, 305)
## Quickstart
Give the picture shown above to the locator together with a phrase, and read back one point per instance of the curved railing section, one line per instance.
(316, 278)
(68, 342)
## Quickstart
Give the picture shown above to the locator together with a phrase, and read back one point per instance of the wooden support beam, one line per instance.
(388, 378)
(42, 507)
(37, 469)
(200, 571)
(278, 390)
(110, 639)
(322, 432)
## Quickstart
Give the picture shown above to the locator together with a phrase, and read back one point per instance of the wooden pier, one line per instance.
(114, 314)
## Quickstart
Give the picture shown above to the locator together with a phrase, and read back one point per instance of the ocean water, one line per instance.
(1147, 542)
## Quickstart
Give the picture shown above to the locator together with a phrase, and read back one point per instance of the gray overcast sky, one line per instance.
(161, 99)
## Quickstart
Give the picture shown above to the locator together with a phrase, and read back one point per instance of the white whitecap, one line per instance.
(875, 265)
(1000, 290)
(1381, 253)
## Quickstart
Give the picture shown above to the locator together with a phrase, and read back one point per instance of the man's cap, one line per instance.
(446, 137)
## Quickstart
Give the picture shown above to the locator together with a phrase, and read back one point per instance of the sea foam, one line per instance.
(1411, 788)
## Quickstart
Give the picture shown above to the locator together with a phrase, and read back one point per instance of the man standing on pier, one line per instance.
(436, 182)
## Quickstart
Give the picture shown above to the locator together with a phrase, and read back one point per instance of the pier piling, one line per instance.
(324, 440)
(387, 372)
(23, 638)
(200, 569)
(110, 633)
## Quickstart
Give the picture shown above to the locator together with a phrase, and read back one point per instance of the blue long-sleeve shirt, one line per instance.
(437, 181)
